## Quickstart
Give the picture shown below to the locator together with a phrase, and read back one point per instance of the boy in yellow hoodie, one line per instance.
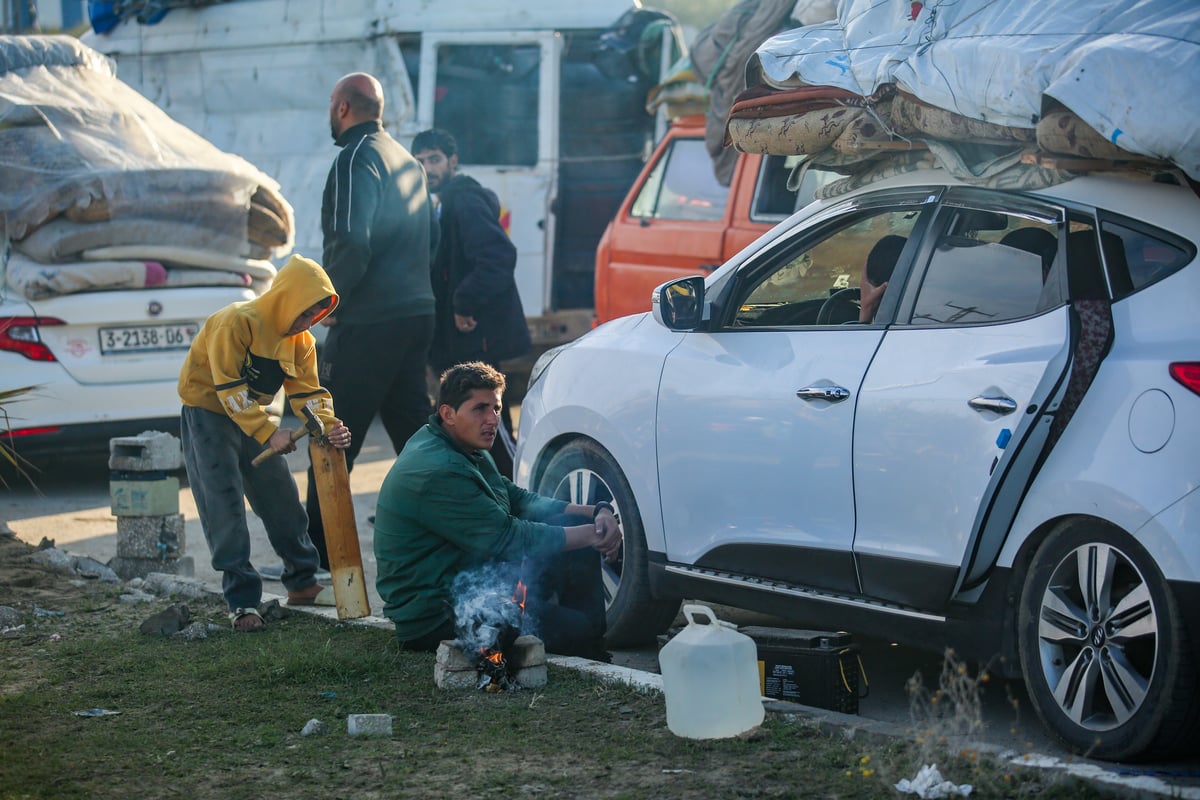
(238, 361)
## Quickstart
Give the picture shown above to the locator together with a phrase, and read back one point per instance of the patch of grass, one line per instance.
(221, 718)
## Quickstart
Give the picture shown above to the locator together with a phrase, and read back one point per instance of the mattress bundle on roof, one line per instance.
(100, 188)
(998, 93)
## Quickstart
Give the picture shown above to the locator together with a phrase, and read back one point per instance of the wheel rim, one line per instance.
(586, 487)
(1098, 637)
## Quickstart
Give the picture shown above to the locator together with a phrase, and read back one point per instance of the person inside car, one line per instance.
(877, 271)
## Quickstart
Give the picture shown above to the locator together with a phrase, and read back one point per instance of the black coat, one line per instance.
(473, 275)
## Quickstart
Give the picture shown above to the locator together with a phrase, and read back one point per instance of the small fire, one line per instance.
(519, 595)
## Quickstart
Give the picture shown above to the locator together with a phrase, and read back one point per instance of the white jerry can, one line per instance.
(710, 678)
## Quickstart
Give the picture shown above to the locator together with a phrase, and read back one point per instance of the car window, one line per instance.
(796, 282)
(682, 186)
(1138, 255)
(988, 266)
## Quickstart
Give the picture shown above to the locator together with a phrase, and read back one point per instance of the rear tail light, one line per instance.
(20, 335)
(31, 431)
(1187, 373)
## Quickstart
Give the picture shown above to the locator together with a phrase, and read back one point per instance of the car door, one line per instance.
(954, 407)
(756, 414)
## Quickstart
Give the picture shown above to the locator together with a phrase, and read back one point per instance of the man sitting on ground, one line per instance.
(444, 508)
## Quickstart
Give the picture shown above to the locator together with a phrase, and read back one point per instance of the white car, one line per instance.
(104, 363)
(1004, 460)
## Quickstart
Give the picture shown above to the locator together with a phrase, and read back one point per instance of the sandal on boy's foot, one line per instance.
(315, 595)
(246, 620)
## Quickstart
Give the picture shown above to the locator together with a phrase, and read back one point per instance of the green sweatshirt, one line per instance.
(442, 510)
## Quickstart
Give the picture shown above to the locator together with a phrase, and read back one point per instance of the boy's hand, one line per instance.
(281, 441)
(339, 436)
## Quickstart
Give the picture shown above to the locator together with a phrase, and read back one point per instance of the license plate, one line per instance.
(148, 338)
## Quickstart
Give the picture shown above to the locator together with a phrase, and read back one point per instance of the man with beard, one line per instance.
(379, 234)
(479, 315)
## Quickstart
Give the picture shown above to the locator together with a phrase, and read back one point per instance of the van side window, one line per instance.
(682, 186)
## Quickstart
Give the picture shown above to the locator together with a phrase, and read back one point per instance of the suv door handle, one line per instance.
(997, 405)
(834, 394)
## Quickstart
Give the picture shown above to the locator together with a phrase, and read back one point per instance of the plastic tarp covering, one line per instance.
(1130, 69)
(87, 163)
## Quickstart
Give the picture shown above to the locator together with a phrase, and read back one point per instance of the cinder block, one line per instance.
(151, 537)
(369, 724)
(527, 651)
(454, 679)
(532, 677)
(153, 498)
(129, 568)
(149, 451)
(450, 655)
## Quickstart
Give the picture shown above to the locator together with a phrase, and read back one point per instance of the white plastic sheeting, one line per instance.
(1128, 68)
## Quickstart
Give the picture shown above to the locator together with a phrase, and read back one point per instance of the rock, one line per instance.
(314, 727)
(197, 630)
(9, 617)
(163, 584)
(54, 558)
(369, 724)
(91, 568)
(136, 596)
(167, 622)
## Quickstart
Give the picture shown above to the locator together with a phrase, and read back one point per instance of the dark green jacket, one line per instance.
(442, 510)
(379, 229)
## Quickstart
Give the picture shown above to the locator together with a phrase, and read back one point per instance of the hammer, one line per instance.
(312, 424)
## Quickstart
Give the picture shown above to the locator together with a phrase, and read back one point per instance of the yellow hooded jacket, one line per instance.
(243, 355)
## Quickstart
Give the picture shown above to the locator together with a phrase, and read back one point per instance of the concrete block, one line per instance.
(151, 537)
(455, 679)
(532, 677)
(527, 651)
(149, 451)
(153, 498)
(450, 655)
(369, 724)
(129, 568)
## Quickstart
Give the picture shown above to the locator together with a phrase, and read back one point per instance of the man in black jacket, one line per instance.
(379, 235)
(479, 315)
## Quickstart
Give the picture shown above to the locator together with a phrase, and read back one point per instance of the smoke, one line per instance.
(486, 614)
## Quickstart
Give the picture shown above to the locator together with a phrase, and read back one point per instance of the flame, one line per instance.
(496, 657)
(519, 595)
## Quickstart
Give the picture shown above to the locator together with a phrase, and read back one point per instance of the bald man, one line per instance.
(379, 234)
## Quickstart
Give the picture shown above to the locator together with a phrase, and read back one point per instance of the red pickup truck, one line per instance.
(678, 220)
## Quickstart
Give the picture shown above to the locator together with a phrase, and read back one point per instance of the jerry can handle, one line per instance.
(691, 609)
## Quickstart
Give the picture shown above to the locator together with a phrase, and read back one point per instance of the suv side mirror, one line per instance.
(679, 304)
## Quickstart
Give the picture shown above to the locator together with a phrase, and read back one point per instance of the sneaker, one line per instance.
(274, 572)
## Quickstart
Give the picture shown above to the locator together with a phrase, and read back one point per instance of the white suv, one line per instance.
(1001, 458)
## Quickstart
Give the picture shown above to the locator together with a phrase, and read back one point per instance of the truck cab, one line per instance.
(678, 220)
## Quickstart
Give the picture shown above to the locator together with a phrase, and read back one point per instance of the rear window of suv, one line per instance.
(1139, 255)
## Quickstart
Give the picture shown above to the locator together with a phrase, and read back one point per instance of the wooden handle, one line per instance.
(296, 435)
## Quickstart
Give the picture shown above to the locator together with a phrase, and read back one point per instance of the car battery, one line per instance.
(814, 668)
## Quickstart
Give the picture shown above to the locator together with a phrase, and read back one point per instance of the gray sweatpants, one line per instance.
(217, 455)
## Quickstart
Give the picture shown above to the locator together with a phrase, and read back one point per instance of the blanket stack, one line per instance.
(99, 188)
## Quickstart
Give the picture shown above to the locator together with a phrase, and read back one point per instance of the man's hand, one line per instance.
(464, 324)
(869, 297)
(608, 535)
(338, 436)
